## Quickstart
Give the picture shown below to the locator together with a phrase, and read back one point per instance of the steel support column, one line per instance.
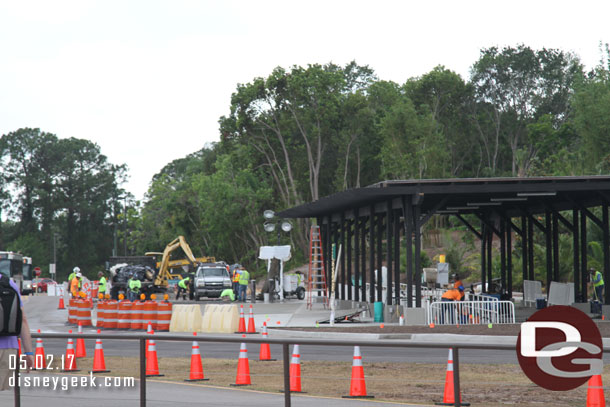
(509, 258)
(490, 241)
(606, 241)
(503, 255)
(349, 262)
(363, 263)
(416, 214)
(483, 258)
(388, 258)
(549, 251)
(408, 216)
(379, 276)
(372, 255)
(530, 249)
(357, 231)
(583, 254)
(576, 252)
(343, 256)
(524, 248)
(397, 257)
(555, 220)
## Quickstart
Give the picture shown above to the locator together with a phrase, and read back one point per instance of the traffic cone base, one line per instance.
(195, 380)
(266, 360)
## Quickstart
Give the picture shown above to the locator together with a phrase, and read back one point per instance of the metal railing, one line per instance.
(471, 312)
(285, 342)
(480, 297)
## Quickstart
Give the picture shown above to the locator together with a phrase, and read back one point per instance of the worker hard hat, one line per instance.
(591, 270)
(76, 269)
(78, 274)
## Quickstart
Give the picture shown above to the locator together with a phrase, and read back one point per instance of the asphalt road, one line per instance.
(163, 394)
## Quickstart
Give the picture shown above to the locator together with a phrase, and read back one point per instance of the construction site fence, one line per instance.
(285, 342)
(471, 312)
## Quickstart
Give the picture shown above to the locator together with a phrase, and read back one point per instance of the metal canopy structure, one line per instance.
(394, 212)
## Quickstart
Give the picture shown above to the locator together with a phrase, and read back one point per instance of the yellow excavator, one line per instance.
(166, 264)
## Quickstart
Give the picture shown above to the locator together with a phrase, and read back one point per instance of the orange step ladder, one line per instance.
(316, 280)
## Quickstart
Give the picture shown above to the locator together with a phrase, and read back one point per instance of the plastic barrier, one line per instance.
(207, 319)
(229, 315)
(111, 317)
(136, 315)
(124, 314)
(185, 318)
(73, 311)
(164, 315)
(101, 314)
(150, 314)
(83, 314)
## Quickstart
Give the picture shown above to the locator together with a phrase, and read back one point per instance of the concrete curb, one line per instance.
(285, 333)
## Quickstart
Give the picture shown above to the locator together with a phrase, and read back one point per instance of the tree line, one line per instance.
(306, 132)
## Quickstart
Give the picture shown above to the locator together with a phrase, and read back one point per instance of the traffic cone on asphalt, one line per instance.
(243, 368)
(595, 392)
(448, 396)
(295, 370)
(40, 360)
(358, 385)
(99, 365)
(61, 302)
(70, 359)
(242, 323)
(152, 366)
(196, 366)
(251, 327)
(265, 353)
(81, 350)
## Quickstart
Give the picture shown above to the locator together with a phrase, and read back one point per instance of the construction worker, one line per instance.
(183, 288)
(454, 294)
(73, 274)
(135, 286)
(101, 283)
(244, 279)
(228, 293)
(458, 284)
(235, 279)
(597, 280)
(75, 284)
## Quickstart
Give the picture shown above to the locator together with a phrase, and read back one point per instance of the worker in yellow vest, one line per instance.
(597, 280)
(244, 279)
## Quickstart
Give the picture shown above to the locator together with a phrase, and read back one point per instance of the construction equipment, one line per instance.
(155, 276)
(316, 279)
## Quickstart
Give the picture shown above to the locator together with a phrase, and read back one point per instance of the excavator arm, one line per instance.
(164, 275)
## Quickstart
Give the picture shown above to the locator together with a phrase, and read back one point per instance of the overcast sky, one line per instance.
(148, 80)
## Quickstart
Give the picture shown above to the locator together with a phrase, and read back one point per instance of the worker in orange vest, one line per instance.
(459, 285)
(454, 294)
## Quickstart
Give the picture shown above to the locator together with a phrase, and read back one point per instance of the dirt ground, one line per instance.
(482, 385)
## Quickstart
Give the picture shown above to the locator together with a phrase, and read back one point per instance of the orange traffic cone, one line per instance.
(152, 367)
(81, 350)
(196, 367)
(358, 385)
(295, 370)
(243, 368)
(39, 357)
(19, 343)
(448, 396)
(99, 365)
(149, 331)
(595, 392)
(265, 353)
(61, 302)
(70, 359)
(251, 327)
(242, 323)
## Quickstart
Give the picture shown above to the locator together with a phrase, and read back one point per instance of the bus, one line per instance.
(28, 275)
(11, 265)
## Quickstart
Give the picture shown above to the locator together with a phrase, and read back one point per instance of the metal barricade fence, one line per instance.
(471, 312)
(480, 297)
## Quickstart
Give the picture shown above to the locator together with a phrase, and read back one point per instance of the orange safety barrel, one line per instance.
(136, 314)
(124, 314)
(72, 311)
(84, 313)
(101, 314)
(110, 322)
(150, 314)
(164, 315)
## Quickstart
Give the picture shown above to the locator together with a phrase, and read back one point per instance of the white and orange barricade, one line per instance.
(124, 314)
(73, 310)
(83, 313)
(164, 315)
(111, 314)
(101, 313)
(136, 315)
(150, 314)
